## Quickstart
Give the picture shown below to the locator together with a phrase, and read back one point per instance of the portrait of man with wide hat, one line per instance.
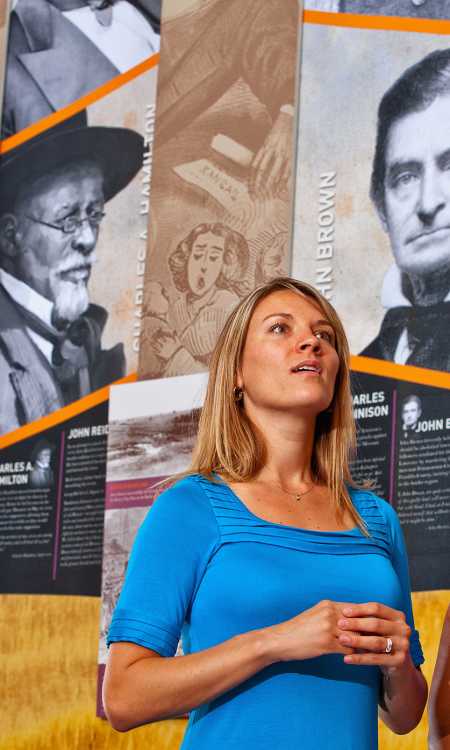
(53, 192)
(60, 50)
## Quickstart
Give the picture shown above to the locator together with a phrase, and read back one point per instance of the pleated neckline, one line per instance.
(237, 523)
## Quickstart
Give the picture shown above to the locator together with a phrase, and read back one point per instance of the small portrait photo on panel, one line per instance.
(411, 411)
(41, 474)
(60, 50)
(54, 194)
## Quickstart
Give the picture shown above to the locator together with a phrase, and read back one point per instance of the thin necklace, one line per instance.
(298, 495)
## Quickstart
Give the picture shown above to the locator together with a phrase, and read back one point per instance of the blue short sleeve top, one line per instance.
(205, 568)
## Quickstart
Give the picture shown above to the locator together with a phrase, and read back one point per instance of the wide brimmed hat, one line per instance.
(118, 152)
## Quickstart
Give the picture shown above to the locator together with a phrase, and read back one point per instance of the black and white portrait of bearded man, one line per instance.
(53, 196)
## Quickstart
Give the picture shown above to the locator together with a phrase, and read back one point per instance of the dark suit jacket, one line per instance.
(432, 348)
(51, 63)
(28, 388)
(429, 9)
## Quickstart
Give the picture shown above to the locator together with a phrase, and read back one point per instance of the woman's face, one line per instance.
(289, 360)
(205, 263)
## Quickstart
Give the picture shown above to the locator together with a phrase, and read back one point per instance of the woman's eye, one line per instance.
(326, 335)
(278, 328)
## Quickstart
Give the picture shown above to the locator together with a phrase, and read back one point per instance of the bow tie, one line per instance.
(75, 349)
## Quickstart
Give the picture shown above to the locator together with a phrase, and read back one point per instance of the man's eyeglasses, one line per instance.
(72, 224)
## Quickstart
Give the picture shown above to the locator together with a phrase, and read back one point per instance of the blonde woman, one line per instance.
(289, 585)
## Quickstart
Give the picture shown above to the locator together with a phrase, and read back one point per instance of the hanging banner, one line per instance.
(371, 232)
(77, 129)
(152, 427)
(74, 229)
(73, 232)
(221, 186)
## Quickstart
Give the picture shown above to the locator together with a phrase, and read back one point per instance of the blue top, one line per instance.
(205, 567)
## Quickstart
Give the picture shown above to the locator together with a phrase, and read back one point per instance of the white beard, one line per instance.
(71, 301)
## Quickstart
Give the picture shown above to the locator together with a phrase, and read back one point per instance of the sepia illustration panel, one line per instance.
(221, 185)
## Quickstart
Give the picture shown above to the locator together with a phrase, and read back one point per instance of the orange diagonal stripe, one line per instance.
(411, 374)
(385, 23)
(62, 415)
(72, 109)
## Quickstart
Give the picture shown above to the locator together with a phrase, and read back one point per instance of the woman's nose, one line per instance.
(309, 342)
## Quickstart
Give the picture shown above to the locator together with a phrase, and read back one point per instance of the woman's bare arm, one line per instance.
(141, 686)
(439, 705)
(404, 696)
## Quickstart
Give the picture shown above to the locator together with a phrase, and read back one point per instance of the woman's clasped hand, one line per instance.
(361, 632)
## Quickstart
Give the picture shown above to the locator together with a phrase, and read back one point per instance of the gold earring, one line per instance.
(238, 393)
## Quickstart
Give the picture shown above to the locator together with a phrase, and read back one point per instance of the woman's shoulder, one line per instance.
(184, 509)
(187, 495)
(371, 506)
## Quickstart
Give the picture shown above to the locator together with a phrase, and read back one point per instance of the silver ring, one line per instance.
(389, 645)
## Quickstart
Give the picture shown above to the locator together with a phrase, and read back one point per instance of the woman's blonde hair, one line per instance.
(227, 442)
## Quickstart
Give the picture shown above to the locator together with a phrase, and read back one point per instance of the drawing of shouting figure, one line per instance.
(207, 267)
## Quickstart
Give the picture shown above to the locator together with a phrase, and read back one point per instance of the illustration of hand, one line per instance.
(270, 170)
(166, 343)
